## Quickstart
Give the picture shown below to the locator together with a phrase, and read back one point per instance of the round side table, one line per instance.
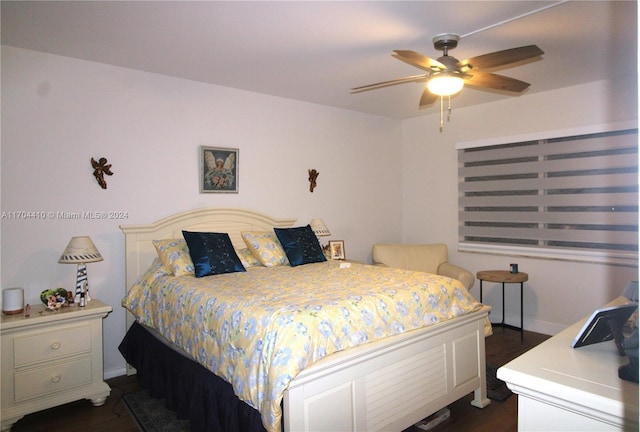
(504, 276)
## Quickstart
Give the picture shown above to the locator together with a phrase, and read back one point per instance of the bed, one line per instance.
(385, 384)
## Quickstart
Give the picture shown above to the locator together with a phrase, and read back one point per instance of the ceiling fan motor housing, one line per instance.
(445, 41)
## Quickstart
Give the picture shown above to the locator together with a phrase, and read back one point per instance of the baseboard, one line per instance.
(544, 327)
(536, 326)
(115, 373)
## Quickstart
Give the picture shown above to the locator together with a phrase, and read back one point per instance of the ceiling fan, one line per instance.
(447, 75)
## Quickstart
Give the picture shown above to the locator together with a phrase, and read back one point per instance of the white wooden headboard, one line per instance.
(139, 249)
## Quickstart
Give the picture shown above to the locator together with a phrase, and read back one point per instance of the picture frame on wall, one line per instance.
(218, 170)
(336, 249)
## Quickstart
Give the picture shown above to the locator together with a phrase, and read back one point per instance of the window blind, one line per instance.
(576, 193)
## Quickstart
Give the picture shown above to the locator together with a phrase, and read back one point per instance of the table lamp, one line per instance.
(320, 229)
(80, 251)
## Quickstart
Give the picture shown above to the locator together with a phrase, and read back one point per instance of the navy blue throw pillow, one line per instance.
(300, 244)
(212, 253)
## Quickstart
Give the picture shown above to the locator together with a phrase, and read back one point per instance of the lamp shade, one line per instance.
(80, 250)
(319, 228)
(445, 84)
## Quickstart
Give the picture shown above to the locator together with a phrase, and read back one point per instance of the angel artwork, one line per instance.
(219, 170)
(100, 168)
(313, 177)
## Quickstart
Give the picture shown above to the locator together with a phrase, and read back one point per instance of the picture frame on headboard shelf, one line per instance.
(336, 249)
(218, 169)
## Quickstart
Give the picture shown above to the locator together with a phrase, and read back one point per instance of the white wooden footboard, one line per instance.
(390, 386)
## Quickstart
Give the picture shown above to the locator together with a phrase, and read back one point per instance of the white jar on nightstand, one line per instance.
(51, 358)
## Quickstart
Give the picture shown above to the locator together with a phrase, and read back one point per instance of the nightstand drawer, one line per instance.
(50, 379)
(43, 347)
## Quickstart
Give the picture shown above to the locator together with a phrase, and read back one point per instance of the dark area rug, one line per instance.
(497, 390)
(151, 415)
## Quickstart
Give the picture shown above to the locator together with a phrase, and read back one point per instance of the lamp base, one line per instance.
(82, 284)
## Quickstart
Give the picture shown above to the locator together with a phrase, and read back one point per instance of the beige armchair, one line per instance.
(429, 258)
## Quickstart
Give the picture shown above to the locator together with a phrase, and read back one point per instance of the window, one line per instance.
(573, 197)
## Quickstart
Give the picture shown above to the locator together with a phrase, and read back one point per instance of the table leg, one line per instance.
(503, 302)
(521, 310)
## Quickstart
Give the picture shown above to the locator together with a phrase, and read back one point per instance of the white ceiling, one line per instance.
(317, 51)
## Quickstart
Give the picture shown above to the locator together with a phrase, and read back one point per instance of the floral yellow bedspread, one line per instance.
(260, 328)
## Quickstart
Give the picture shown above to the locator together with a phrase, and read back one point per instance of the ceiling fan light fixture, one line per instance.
(445, 84)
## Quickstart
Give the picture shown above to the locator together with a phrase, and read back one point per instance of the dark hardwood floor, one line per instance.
(503, 346)
(81, 416)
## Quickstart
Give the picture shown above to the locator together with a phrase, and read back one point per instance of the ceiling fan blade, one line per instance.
(418, 60)
(427, 98)
(382, 84)
(502, 58)
(494, 81)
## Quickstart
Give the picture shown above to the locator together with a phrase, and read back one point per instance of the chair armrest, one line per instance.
(457, 272)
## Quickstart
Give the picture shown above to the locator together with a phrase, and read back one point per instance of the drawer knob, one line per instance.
(55, 345)
(55, 378)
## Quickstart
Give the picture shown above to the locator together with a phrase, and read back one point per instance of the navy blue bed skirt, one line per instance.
(189, 389)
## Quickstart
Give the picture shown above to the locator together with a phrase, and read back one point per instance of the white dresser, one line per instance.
(561, 388)
(51, 358)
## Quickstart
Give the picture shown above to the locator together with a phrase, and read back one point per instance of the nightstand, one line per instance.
(51, 358)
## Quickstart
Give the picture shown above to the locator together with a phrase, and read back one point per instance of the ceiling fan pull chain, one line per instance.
(449, 111)
(441, 113)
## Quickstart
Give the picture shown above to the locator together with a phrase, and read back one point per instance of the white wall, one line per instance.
(58, 112)
(558, 293)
